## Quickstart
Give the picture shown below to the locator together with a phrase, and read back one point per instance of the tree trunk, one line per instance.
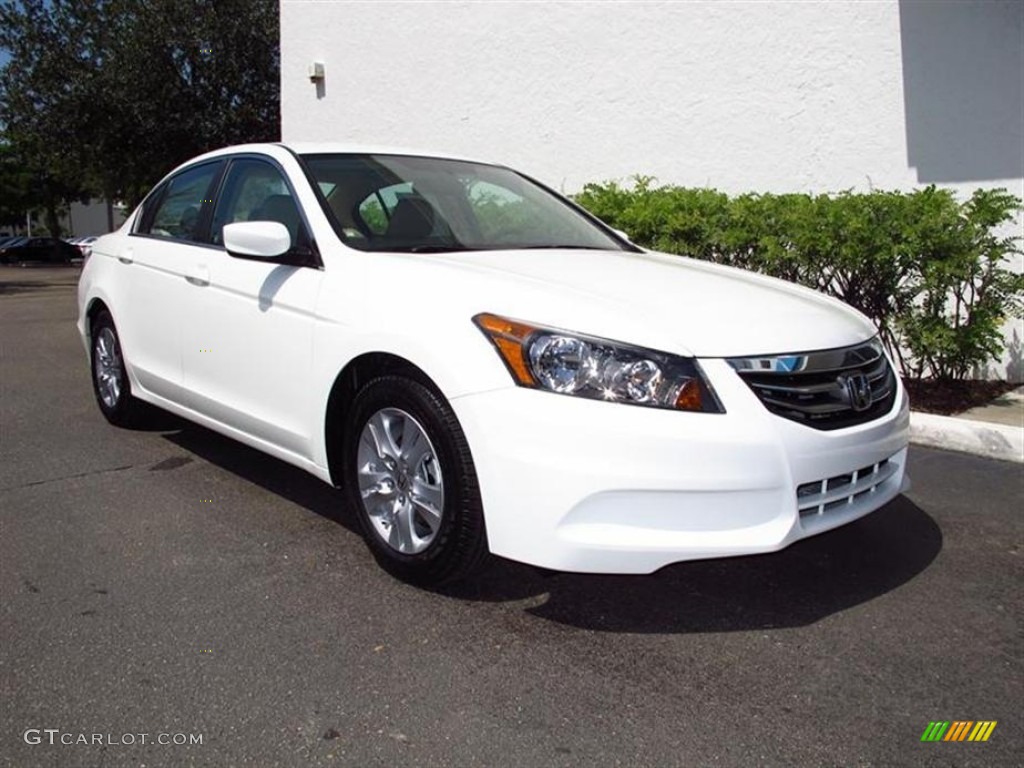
(52, 220)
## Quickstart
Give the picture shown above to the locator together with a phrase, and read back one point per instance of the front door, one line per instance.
(247, 347)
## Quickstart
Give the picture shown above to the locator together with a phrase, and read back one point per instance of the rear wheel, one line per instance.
(411, 481)
(109, 375)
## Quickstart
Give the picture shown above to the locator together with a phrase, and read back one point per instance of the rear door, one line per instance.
(162, 259)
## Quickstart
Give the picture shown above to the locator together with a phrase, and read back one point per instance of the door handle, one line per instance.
(199, 275)
(126, 256)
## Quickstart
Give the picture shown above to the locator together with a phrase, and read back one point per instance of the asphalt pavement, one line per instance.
(168, 582)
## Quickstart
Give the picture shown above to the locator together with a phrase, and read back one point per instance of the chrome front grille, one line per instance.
(830, 389)
(832, 494)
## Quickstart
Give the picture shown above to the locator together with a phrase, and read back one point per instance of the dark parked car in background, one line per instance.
(45, 249)
(10, 242)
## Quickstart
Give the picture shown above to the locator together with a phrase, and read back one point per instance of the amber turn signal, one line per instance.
(509, 338)
(688, 398)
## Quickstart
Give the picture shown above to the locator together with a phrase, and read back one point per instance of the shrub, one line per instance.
(929, 271)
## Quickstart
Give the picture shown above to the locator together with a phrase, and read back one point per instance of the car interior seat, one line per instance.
(188, 221)
(412, 219)
(279, 208)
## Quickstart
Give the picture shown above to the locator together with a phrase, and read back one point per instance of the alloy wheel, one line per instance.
(400, 481)
(108, 367)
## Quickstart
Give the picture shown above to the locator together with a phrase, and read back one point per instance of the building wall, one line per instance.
(77, 220)
(740, 96)
(91, 219)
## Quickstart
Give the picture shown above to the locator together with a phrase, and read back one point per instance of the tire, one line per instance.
(409, 478)
(110, 381)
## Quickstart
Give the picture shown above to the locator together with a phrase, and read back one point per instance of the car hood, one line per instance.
(668, 302)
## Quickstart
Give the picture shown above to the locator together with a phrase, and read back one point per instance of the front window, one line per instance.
(255, 190)
(422, 204)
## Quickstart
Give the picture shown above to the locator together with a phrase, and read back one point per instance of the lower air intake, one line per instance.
(834, 493)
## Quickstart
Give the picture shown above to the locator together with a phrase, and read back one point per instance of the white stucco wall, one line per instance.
(742, 96)
(91, 218)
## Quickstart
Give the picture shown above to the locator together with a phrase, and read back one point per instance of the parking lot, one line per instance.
(171, 581)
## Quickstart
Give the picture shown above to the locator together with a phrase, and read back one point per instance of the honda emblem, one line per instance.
(858, 390)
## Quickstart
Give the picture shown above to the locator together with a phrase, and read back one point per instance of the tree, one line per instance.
(26, 188)
(16, 189)
(109, 95)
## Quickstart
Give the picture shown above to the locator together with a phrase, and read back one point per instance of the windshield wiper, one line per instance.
(437, 249)
(561, 247)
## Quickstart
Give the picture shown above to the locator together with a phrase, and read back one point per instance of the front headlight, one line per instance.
(573, 364)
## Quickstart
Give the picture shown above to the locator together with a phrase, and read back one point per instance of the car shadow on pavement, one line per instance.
(800, 585)
(256, 467)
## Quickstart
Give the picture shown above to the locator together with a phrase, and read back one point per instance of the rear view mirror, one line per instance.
(257, 239)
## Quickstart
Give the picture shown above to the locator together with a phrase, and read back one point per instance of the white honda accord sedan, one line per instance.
(483, 367)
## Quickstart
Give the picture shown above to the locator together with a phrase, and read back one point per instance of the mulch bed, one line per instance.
(949, 397)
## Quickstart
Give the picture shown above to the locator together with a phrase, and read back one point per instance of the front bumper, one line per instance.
(579, 485)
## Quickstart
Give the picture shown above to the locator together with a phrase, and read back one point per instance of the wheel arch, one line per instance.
(95, 307)
(349, 380)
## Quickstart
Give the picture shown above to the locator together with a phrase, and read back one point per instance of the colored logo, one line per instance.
(959, 730)
(788, 364)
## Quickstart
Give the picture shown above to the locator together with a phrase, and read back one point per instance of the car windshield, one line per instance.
(424, 204)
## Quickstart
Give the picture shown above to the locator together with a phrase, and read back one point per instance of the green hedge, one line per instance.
(929, 271)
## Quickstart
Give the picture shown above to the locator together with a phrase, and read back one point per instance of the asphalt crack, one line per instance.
(68, 477)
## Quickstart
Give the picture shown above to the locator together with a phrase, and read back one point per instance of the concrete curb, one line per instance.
(994, 441)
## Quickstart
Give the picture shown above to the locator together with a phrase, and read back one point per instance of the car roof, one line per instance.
(328, 147)
(278, 149)
(331, 148)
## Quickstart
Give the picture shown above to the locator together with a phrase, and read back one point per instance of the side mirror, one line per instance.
(257, 239)
(621, 234)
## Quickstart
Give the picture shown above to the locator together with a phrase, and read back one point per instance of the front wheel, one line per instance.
(411, 481)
